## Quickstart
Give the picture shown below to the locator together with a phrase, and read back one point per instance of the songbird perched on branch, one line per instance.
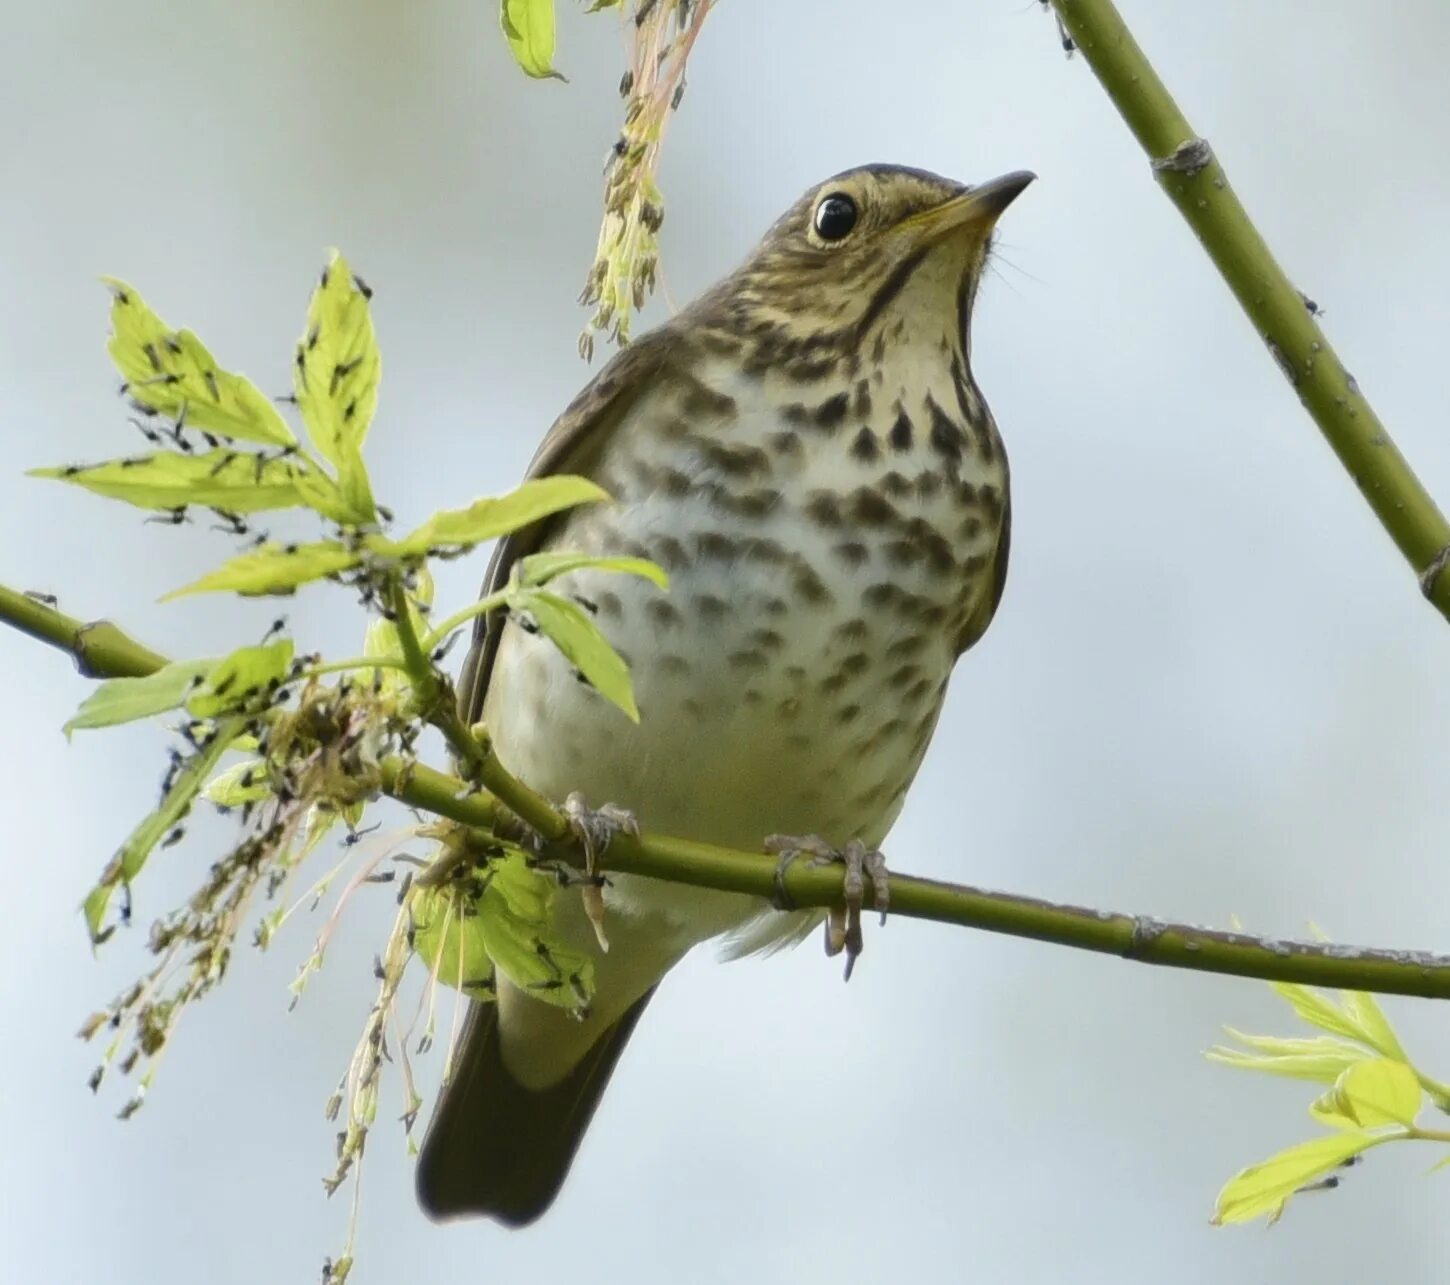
(805, 451)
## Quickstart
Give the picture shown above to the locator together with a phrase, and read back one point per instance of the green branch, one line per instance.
(1134, 937)
(1187, 169)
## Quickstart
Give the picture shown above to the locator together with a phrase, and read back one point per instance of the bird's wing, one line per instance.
(570, 446)
(977, 624)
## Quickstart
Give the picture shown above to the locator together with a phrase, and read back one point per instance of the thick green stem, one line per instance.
(1187, 169)
(99, 649)
(1135, 937)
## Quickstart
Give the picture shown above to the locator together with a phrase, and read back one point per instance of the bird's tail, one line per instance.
(498, 1149)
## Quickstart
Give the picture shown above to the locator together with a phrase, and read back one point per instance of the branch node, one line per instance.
(1431, 574)
(81, 655)
(1145, 935)
(1188, 159)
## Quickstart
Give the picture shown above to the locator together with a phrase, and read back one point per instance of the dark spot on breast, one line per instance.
(752, 504)
(895, 485)
(862, 404)
(718, 344)
(808, 370)
(864, 447)
(853, 630)
(947, 438)
(903, 675)
(970, 529)
(831, 684)
(928, 484)
(663, 612)
(767, 639)
(901, 553)
(670, 663)
(908, 645)
(709, 606)
(809, 586)
(732, 460)
(900, 435)
(824, 509)
(847, 713)
(785, 442)
(768, 552)
(776, 606)
(609, 604)
(717, 545)
(870, 508)
(856, 663)
(829, 414)
(701, 401)
(989, 498)
(673, 482)
(852, 552)
(668, 552)
(882, 594)
(917, 691)
(753, 696)
(795, 413)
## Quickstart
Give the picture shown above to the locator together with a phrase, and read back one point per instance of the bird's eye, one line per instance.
(835, 217)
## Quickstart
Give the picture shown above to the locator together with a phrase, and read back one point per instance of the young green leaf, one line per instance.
(540, 568)
(1265, 1188)
(1375, 1030)
(1321, 1058)
(123, 700)
(171, 373)
(1369, 1095)
(573, 631)
(528, 26)
(236, 679)
(1318, 1009)
(274, 569)
(240, 784)
(223, 479)
(508, 927)
(336, 379)
(131, 857)
(495, 516)
(449, 943)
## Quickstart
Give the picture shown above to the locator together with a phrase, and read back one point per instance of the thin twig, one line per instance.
(1186, 167)
(1135, 937)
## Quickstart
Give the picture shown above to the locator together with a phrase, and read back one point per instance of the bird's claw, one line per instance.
(596, 829)
(843, 922)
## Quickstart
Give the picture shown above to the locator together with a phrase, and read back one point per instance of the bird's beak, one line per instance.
(977, 208)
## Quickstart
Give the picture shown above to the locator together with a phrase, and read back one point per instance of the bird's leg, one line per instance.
(595, 829)
(843, 922)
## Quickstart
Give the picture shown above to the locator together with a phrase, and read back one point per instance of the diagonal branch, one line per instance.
(1134, 937)
(1187, 169)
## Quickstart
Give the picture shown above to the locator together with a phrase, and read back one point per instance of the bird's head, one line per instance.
(858, 248)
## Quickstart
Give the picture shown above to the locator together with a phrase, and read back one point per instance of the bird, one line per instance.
(806, 453)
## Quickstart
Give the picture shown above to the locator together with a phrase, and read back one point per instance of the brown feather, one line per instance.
(497, 1149)
(574, 440)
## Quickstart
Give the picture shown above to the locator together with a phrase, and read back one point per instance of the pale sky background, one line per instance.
(1213, 688)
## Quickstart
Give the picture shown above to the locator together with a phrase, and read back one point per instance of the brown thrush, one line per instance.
(805, 451)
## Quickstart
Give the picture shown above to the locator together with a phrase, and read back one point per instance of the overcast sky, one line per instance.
(1212, 689)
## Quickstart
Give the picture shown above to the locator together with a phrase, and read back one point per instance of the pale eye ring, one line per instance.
(835, 217)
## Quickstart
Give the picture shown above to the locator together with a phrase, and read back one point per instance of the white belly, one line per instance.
(790, 679)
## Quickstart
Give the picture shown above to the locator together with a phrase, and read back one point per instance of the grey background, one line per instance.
(1212, 689)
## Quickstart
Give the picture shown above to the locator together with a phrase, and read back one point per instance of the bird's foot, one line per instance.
(843, 923)
(596, 828)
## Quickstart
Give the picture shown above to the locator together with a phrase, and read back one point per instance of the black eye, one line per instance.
(835, 217)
